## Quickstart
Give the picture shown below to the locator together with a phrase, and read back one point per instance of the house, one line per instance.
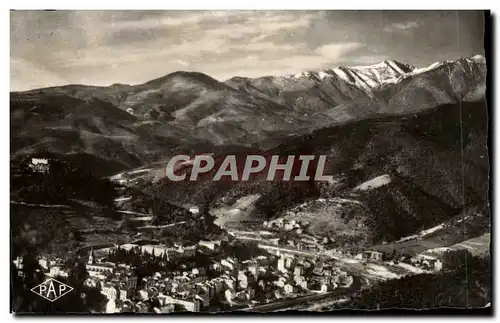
(242, 296)
(230, 283)
(262, 260)
(430, 262)
(192, 305)
(242, 279)
(229, 263)
(212, 245)
(216, 266)
(143, 294)
(303, 284)
(373, 255)
(274, 241)
(109, 291)
(298, 270)
(280, 282)
(44, 263)
(281, 264)
(229, 295)
(289, 289)
(218, 284)
(124, 293)
(288, 262)
(57, 271)
(204, 298)
(40, 165)
(252, 269)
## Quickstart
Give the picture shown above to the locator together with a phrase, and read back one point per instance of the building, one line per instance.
(96, 269)
(281, 264)
(298, 270)
(303, 284)
(204, 297)
(229, 263)
(262, 260)
(373, 255)
(188, 251)
(274, 241)
(253, 270)
(143, 294)
(131, 281)
(216, 266)
(432, 263)
(57, 271)
(242, 279)
(100, 269)
(243, 296)
(230, 283)
(212, 245)
(190, 303)
(40, 165)
(109, 291)
(289, 289)
(44, 263)
(124, 293)
(229, 295)
(288, 262)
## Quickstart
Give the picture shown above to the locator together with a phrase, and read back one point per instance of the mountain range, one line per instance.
(406, 146)
(122, 127)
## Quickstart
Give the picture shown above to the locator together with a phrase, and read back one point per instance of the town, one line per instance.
(266, 273)
(277, 266)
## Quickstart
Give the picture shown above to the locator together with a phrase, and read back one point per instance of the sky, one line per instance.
(49, 48)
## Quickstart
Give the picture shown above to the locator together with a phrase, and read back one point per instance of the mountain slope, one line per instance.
(431, 177)
(129, 126)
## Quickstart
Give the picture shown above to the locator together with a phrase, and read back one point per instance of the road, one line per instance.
(348, 263)
(55, 206)
(284, 304)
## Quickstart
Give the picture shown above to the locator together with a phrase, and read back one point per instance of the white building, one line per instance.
(40, 165)
(109, 291)
(289, 289)
(57, 271)
(228, 263)
(212, 245)
(281, 264)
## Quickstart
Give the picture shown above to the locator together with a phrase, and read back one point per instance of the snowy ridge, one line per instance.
(374, 183)
(376, 75)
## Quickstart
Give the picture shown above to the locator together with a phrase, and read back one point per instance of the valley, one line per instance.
(403, 151)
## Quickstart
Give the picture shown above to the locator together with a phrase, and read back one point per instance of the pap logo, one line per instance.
(52, 289)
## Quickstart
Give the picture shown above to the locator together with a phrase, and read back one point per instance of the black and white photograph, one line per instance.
(249, 161)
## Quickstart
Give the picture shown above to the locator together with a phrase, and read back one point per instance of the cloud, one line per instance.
(335, 51)
(92, 47)
(25, 75)
(106, 47)
(401, 26)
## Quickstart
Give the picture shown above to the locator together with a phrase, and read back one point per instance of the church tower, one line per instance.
(91, 257)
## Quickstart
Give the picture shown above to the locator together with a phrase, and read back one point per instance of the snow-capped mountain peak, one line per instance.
(364, 77)
(373, 76)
